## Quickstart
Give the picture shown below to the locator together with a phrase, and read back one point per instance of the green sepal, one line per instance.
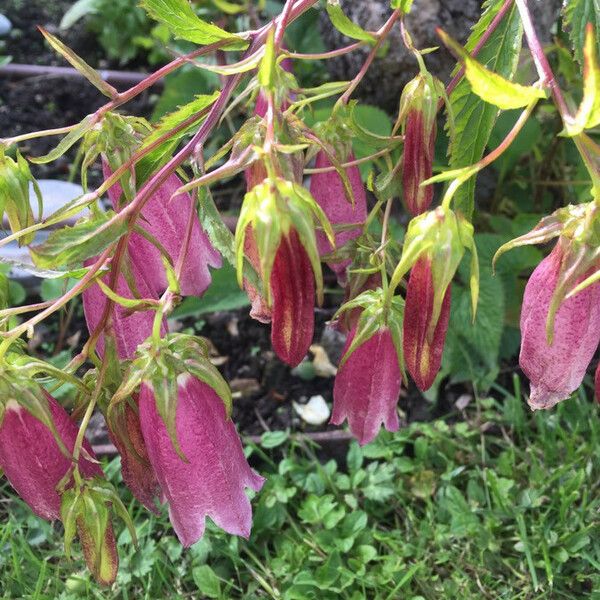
(15, 177)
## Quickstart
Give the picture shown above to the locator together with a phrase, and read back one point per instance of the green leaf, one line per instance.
(344, 25)
(490, 86)
(183, 22)
(222, 294)
(80, 9)
(207, 581)
(577, 14)
(78, 63)
(403, 5)
(72, 245)
(473, 117)
(161, 154)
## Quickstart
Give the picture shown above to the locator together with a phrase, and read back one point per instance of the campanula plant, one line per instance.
(314, 203)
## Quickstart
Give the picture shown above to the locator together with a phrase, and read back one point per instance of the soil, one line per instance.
(46, 102)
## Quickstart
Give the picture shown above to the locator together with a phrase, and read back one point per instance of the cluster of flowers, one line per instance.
(189, 454)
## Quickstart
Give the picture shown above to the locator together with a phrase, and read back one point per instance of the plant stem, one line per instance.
(381, 35)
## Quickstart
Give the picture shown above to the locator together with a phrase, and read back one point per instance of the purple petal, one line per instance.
(367, 387)
(32, 460)
(166, 219)
(130, 329)
(328, 190)
(212, 482)
(556, 371)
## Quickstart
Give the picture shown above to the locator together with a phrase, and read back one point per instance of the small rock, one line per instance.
(5, 25)
(314, 412)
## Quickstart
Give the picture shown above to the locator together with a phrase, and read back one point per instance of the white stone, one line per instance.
(314, 412)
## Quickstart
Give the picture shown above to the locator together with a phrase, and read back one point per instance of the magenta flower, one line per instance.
(367, 387)
(424, 344)
(556, 370)
(32, 460)
(129, 328)
(212, 481)
(293, 291)
(166, 218)
(328, 190)
(135, 464)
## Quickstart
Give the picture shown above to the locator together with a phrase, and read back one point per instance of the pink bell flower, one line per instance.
(213, 480)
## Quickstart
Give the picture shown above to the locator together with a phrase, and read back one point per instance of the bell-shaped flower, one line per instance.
(129, 327)
(30, 455)
(418, 109)
(560, 315)
(341, 209)
(280, 216)
(367, 384)
(423, 344)
(367, 387)
(556, 367)
(192, 444)
(171, 220)
(434, 246)
(126, 433)
(211, 481)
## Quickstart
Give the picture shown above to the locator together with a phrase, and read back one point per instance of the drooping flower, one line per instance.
(166, 218)
(32, 459)
(293, 292)
(424, 344)
(328, 190)
(418, 106)
(279, 216)
(367, 387)
(211, 482)
(128, 328)
(126, 433)
(434, 247)
(557, 369)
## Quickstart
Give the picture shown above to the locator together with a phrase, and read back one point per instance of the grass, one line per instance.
(504, 504)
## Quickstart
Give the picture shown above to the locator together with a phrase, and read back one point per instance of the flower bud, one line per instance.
(419, 104)
(423, 343)
(293, 297)
(166, 218)
(556, 369)
(280, 217)
(328, 190)
(32, 459)
(367, 386)
(212, 479)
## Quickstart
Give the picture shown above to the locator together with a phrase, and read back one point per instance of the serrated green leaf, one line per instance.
(490, 86)
(183, 22)
(473, 117)
(344, 25)
(72, 245)
(577, 14)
